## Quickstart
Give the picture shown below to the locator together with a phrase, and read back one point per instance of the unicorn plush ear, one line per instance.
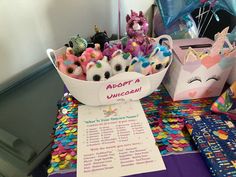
(133, 13)
(191, 55)
(106, 45)
(141, 14)
(89, 65)
(69, 50)
(154, 52)
(119, 45)
(134, 60)
(118, 52)
(127, 18)
(105, 59)
(97, 46)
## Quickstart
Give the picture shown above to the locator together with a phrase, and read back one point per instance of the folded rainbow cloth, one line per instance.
(226, 103)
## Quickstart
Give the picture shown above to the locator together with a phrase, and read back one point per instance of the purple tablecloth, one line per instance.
(177, 165)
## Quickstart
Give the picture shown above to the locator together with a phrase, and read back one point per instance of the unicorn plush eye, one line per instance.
(118, 67)
(140, 23)
(158, 67)
(70, 70)
(77, 63)
(96, 77)
(119, 61)
(99, 71)
(82, 59)
(107, 74)
(131, 24)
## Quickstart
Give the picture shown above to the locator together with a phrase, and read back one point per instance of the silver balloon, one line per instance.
(182, 28)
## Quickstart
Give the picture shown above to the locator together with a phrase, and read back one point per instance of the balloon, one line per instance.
(182, 28)
(227, 5)
(172, 10)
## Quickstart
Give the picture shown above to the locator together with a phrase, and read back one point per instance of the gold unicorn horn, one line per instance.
(96, 29)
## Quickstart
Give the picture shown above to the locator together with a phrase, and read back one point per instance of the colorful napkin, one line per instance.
(226, 103)
(215, 137)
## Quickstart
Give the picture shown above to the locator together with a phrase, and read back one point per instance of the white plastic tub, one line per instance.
(121, 87)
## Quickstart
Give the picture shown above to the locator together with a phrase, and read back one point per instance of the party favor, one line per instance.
(215, 136)
(226, 103)
(200, 67)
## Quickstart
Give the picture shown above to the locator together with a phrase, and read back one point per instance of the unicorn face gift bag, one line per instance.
(200, 67)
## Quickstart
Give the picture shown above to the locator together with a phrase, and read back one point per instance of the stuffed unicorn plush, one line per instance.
(109, 49)
(78, 44)
(159, 58)
(100, 37)
(120, 62)
(69, 64)
(141, 65)
(133, 48)
(90, 54)
(139, 44)
(98, 70)
(136, 24)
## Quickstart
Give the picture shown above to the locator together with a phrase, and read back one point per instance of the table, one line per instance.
(165, 118)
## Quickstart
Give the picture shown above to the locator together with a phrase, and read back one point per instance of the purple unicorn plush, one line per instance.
(109, 49)
(137, 48)
(133, 48)
(139, 44)
(136, 24)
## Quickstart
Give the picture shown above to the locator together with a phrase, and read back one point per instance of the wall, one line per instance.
(28, 112)
(29, 27)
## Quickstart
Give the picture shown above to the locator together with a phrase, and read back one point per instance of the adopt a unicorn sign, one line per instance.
(200, 67)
